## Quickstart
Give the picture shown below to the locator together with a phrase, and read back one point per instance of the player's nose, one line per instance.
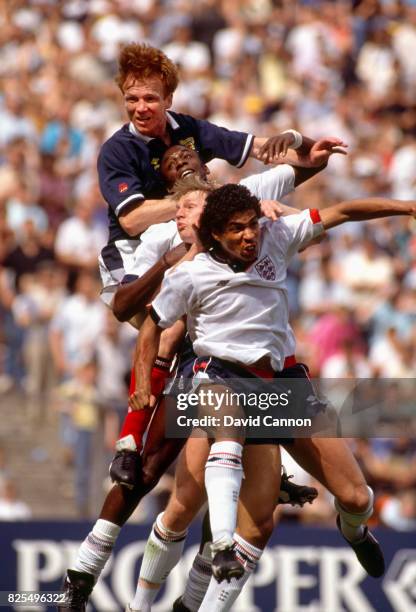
(249, 234)
(141, 106)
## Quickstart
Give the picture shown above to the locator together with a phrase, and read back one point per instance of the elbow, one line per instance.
(120, 311)
(132, 228)
(131, 220)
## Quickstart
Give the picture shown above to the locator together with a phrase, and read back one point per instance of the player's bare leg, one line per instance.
(165, 544)
(258, 498)
(125, 468)
(158, 454)
(255, 517)
(332, 463)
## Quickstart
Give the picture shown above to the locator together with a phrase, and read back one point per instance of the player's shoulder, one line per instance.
(275, 230)
(121, 140)
(180, 119)
(194, 267)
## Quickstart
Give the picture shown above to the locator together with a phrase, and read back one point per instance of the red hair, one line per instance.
(143, 61)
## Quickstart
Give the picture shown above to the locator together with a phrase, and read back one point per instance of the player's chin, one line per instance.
(187, 236)
(249, 253)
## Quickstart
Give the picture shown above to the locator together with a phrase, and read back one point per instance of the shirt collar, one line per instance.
(169, 118)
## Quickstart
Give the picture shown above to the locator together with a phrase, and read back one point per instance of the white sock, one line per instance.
(353, 525)
(163, 551)
(198, 580)
(223, 475)
(96, 548)
(220, 596)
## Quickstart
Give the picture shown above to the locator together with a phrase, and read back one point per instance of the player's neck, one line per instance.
(237, 265)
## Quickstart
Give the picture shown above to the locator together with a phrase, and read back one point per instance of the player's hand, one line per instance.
(142, 398)
(174, 255)
(275, 148)
(406, 207)
(322, 150)
(271, 209)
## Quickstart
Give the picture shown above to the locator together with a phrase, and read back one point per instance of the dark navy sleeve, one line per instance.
(119, 175)
(219, 142)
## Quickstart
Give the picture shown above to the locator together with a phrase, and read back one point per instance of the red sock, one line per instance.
(137, 421)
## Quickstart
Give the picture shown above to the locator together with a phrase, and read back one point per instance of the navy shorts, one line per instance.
(192, 371)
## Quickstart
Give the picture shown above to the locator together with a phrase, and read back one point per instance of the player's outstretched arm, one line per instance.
(146, 353)
(136, 218)
(364, 210)
(132, 298)
(306, 152)
(316, 159)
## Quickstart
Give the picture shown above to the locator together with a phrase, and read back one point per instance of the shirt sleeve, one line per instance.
(119, 175)
(155, 242)
(296, 231)
(218, 142)
(175, 296)
(273, 184)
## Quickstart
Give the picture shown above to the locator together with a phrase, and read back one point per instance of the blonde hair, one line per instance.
(192, 183)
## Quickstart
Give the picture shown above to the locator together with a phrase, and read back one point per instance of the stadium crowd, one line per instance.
(344, 68)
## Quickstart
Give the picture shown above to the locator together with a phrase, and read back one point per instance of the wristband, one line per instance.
(162, 363)
(298, 138)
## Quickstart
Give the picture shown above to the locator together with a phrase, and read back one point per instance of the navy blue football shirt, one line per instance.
(128, 171)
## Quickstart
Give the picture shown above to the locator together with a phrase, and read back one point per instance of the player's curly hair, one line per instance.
(144, 61)
(220, 206)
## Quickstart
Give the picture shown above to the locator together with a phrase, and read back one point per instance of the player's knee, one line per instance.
(258, 533)
(177, 516)
(150, 478)
(356, 499)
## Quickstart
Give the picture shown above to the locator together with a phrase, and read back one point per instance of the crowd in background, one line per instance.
(341, 68)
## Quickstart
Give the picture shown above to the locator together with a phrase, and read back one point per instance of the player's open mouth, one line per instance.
(249, 250)
(187, 172)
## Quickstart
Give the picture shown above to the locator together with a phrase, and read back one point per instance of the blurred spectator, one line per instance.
(41, 296)
(346, 363)
(54, 190)
(78, 401)
(22, 210)
(113, 352)
(399, 512)
(377, 62)
(80, 238)
(77, 326)
(12, 508)
(331, 331)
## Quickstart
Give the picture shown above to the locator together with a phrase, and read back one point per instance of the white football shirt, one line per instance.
(162, 237)
(239, 316)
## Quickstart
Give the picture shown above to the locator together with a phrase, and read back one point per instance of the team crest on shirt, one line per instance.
(265, 268)
(188, 142)
(155, 162)
(122, 187)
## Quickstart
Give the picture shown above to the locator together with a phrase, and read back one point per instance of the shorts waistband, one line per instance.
(267, 373)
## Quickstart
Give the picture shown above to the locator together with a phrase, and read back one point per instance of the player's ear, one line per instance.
(168, 100)
(205, 171)
(216, 236)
